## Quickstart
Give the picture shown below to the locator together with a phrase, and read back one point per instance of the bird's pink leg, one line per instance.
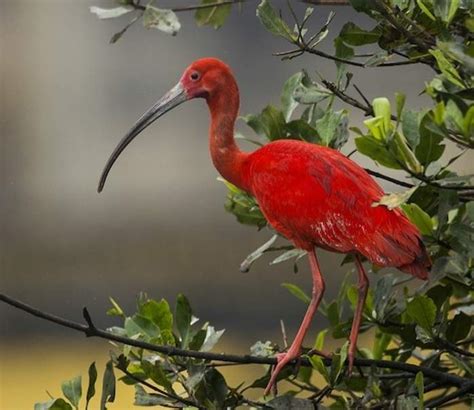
(295, 348)
(363, 286)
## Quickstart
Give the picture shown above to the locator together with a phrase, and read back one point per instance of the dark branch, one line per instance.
(91, 330)
(390, 179)
(439, 401)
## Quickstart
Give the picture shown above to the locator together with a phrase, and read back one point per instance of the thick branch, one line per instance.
(91, 331)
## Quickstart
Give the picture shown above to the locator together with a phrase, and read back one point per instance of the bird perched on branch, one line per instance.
(313, 195)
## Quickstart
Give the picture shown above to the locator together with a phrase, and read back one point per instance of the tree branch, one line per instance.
(439, 401)
(138, 6)
(90, 330)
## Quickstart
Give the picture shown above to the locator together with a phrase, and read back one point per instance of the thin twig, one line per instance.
(439, 401)
(283, 334)
(389, 179)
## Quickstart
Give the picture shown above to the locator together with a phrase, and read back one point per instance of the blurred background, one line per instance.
(67, 97)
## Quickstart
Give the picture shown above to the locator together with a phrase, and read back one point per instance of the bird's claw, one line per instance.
(282, 360)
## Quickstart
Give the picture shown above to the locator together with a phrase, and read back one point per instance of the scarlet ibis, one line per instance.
(311, 194)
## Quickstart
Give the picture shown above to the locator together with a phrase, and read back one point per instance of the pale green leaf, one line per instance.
(110, 13)
(161, 19)
(272, 21)
(72, 390)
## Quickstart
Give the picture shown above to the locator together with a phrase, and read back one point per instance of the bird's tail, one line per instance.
(421, 265)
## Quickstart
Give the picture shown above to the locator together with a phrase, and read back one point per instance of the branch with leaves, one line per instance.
(158, 313)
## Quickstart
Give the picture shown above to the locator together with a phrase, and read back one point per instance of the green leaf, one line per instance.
(141, 325)
(183, 317)
(45, 405)
(392, 201)
(355, 36)
(292, 253)
(300, 129)
(381, 342)
(318, 365)
(402, 151)
(425, 9)
(464, 365)
(382, 295)
(337, 364)
(382, 109)
(319, 342)
(410, 127)
(459, 327)
(244, 207)
(212, 16)
(142, 398)
(400, 98)
(429, 148)
(261, 349)
(288, 102)
(108, 386)
(297, 292)
(468, 124)
(158, 312)
(310, 93)
(115, 310)
(251, 258)
(422, 310)
(447, 68)
(212, 337)
(164, 20)
(453, 116)
(55, 404)
(72, 390)
(110, 13)
(419, 217)
(376, 150)
(420, 386)
(446, 9)
(60, 404)
(272, 22)
(155, 372)
(332, 128)
(91, 387)
(270, 123)
(333, 314)
(212, 390)
(377, 59)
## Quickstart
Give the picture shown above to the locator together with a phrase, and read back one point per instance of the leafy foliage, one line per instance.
(430, 325)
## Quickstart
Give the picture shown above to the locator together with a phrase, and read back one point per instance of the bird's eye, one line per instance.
(195, 76)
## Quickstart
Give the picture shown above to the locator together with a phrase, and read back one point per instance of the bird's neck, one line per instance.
(227, 157)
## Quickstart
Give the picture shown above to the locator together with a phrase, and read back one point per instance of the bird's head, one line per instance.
(204, 78)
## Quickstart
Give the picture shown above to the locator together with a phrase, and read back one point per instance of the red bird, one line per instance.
(313, 195)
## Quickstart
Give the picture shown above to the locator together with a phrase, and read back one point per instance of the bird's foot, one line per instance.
(282, 360)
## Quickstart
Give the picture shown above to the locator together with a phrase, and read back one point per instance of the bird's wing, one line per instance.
(315, 195)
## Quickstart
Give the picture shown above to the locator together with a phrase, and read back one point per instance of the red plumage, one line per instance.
(315, 196)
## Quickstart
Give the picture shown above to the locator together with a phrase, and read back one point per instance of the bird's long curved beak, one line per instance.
(171, 99)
